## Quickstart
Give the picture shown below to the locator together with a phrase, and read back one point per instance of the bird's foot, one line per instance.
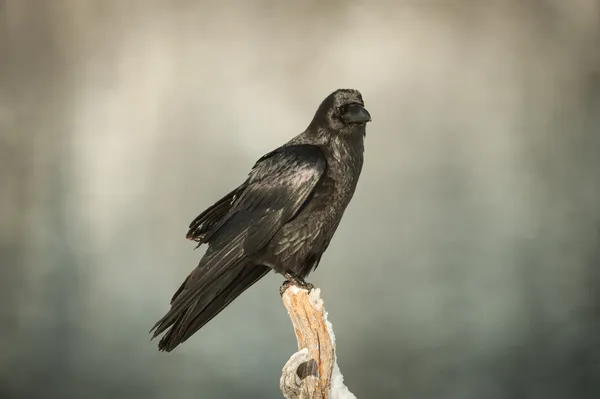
(298, 281)
(305, 285)
(286, 284)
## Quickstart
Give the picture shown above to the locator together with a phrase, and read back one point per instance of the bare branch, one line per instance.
(308, 372)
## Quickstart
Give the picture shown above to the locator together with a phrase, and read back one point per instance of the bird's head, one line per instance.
(343, 110)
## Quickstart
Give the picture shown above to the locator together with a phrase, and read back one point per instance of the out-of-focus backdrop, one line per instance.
(467, 265)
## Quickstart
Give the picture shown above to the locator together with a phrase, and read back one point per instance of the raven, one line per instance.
(281, 218)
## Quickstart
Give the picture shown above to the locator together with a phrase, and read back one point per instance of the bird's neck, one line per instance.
(345, 150)
(352, 140)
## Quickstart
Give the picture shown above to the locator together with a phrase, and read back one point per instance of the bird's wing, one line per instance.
(278, 185)
(202, 227)
(280, 181)
(276, 189)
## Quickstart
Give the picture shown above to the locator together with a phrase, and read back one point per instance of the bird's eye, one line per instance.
(341, 110)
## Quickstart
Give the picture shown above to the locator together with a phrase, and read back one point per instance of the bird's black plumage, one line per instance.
(281, 218)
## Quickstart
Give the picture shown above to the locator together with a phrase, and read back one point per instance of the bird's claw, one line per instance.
(305, 285)
(295, 280)
(286, 284)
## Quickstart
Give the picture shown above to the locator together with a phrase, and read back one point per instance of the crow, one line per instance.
(282, 218)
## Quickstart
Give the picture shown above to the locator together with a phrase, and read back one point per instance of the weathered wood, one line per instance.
(308, 372)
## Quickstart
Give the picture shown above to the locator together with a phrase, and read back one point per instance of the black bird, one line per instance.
(281, 218)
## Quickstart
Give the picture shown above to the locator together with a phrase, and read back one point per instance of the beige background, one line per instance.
(465, 267)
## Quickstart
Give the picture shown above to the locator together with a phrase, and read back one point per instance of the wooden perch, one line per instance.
(312, 372)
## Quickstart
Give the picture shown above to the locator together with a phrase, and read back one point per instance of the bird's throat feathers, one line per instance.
(349, 141)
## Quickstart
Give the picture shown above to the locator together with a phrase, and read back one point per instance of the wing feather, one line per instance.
(277, 187)
(236, 228)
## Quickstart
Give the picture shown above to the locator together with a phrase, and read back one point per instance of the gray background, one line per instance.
(467, 265)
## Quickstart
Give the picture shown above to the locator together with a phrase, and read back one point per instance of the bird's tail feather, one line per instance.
(203, 305)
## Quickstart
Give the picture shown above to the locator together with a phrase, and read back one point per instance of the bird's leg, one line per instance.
(292, 279)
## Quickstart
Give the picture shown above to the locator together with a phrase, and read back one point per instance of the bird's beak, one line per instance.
(356, 113)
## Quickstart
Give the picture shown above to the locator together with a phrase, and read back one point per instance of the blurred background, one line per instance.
(467, 265)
